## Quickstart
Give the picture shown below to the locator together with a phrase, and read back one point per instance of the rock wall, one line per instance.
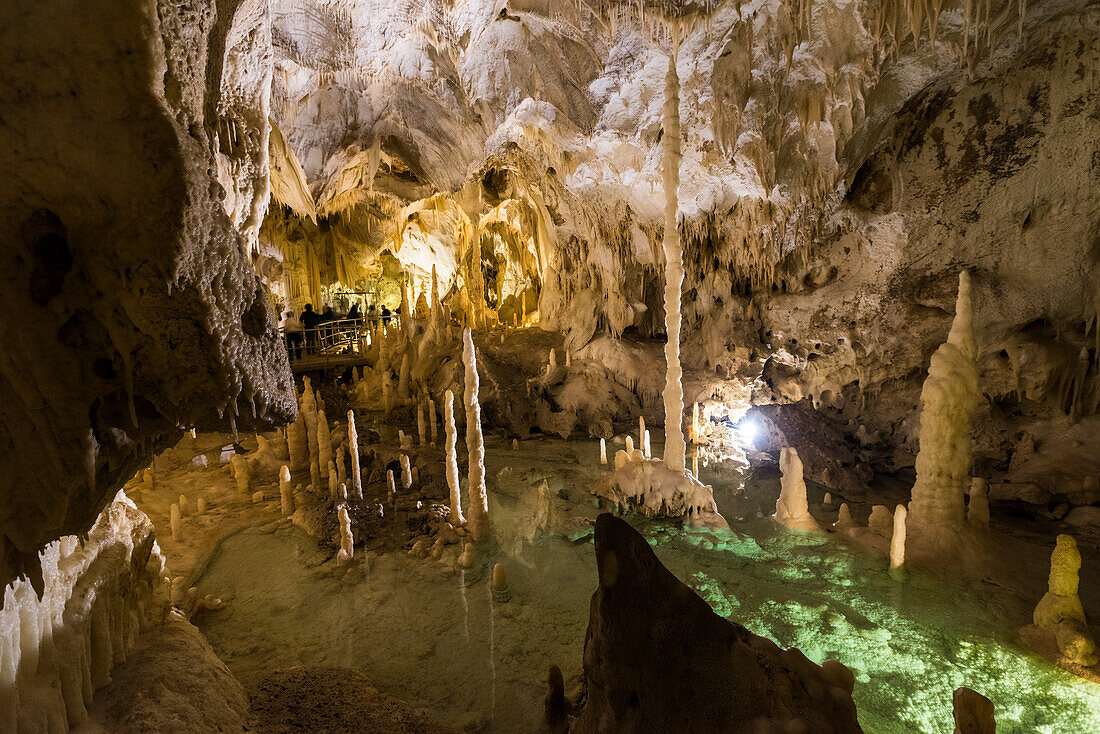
(131, 310)
(657, 658)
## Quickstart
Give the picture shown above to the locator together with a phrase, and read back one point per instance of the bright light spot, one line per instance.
(747, 431)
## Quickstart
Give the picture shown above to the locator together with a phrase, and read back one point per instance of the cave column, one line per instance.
(675, 449)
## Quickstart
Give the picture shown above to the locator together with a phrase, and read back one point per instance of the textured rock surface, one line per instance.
(130, 305)
(331, 700)
(837, 175)
(172, 683)
(656, 658)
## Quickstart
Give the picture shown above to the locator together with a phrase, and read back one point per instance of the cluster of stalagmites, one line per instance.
(99, 594)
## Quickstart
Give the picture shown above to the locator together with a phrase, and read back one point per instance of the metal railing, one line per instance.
(340, 337)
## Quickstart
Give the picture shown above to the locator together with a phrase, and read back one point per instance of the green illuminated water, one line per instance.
(437, 639)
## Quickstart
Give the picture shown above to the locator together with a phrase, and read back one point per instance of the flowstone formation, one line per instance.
(948, 401)
(132, 310)
(657, 658)
(652, 487)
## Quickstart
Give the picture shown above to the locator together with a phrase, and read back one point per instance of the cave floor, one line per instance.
(436, 637)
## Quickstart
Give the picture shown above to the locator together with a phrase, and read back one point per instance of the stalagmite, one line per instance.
(603, 451)
(286, 492)
(948, 400)
(333, 479)
(183, 504)
(451, 460)
(897, 540)
(347, 541)
(675, 450)
(200, 506)
(432, 420)
(404, 379)
(353, 451)
(553, 358)
(515, 444)
(147, 479)
(421, 427)
(406, 472)
(324, 440)
(629, 446)
(308, 409)
(881, 520)
(175, 522)
(973, 712)
(298, 443)
(641, 432)
(391, 485)
(792, 508)
(241, 474)
(341, 470)
(844, 518)
(478, 515)
(1059, 613)
(827, 501)
(500, 589)
(645, 446)
(315, 473)
(468, 557)
(977, 510)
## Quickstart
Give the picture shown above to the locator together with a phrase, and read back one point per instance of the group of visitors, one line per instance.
(303, 332)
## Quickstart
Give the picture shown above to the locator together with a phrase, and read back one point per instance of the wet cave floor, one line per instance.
(436, 637)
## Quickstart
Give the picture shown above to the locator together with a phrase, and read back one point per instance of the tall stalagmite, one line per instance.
(475, 445)
(455, 516)
(675, 448)
(353, 451)
(948, 401)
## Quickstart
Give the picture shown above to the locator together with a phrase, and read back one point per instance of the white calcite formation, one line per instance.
(478, 515)
(324, 440)
(652, 487)
(98, 595)
(286, 492)
(451, 460)
(897, 540)
(347, 540)
(353, 451)
(792, 509)
(948, 401)
(406, 472)
(675, 448)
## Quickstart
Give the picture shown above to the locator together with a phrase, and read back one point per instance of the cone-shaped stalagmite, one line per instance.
(792, 509)
(478, 516)
(455, 516)
(353, 451)
(948, 400)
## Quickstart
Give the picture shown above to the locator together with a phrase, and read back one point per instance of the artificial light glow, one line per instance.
(747, 431)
